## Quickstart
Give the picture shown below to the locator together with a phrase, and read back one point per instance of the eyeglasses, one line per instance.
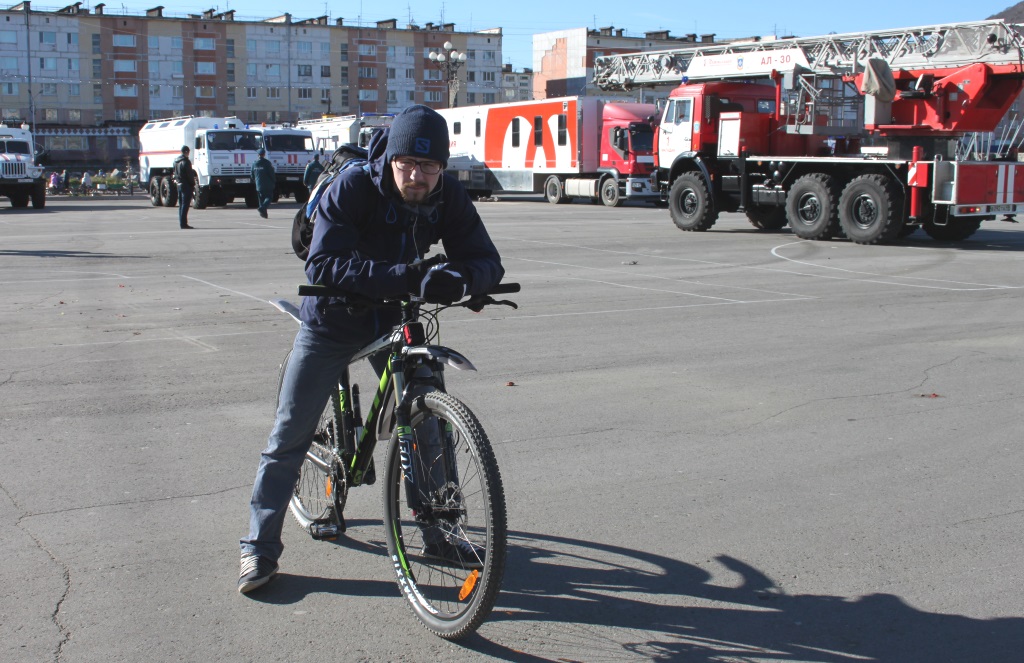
(426, 167)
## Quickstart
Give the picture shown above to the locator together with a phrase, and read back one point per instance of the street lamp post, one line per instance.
(449, 62)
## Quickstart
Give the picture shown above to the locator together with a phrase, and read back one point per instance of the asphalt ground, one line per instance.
(721, 446)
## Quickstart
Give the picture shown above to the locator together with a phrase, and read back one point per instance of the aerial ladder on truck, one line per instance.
(851, 134)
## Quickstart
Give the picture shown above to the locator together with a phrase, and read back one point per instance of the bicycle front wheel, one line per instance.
(447, 540)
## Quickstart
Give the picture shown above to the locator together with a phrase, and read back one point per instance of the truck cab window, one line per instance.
(766, 106)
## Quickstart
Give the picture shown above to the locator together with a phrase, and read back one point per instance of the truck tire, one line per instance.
(302, 195)
(201, 199)
(955, 230)
(812, 207)
(689, 203)
(154, 193)
(168, 192)
(767, 217)
(871, 210)
(39, 195)
(554, 192)
(610, 193)
(19, 198)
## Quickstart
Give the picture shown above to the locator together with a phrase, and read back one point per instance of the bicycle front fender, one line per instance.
(441, 353)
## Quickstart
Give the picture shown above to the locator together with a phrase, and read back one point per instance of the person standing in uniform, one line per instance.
(185, 178)
(312, 174)
(264, 177)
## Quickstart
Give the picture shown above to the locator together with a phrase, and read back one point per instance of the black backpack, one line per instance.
(346, 156)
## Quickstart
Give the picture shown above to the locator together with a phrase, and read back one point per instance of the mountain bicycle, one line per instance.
(444, 504)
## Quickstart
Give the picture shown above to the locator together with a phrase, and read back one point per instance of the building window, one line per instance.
(304, 47)
(73, 65)
(178, 92)
(250, 93)
(124, 41)
(231, 96)
(204, 44)
(206, 68)
(154, 69)
(273, 47)
(230, 71)
(250, 69)
(229, 48)
(153, 42)
(390, 73)
(488, 97)
(49, 90)
(344, 98)
(124, 65)
(8, 37)
(304, 70)
(471, 77)
(250, 46)
(392, 96)
(432, 74)
(74, 115)
(344, 74)
(126, 114)
(367, 72)
(48, 64)
(432, 95)
(96, 47)
(126, 90)
(9, 89)
(488, 56)
(325, 50)
(367, 95)
(176, 43)
(97, 69)
(273, 93)
(488, 76)
(410, 73)
(471, 54)
(325, 94)
(74, 89)
(9, 63)
(305, 93)
(410, 96)
(48, 38)
(206, 92)
(471, 98)
(154, 90)
(177, 68)
(325, 71)
(49, 114)
(410, 52)
(272, 71)
(367, 49)
(343, 49)
(97, 93)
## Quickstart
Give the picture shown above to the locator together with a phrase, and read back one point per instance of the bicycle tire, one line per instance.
(321, 491)
(449, 601)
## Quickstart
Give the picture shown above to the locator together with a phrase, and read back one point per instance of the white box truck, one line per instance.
(331, 132)
(223, 150)
(21, 179)
(290, 149)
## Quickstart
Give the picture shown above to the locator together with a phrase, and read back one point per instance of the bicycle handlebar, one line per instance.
(308, 290)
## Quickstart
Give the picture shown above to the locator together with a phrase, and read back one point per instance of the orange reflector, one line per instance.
(467, 587)
(330, 488)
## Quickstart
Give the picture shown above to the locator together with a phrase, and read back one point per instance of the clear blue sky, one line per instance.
(520, 19)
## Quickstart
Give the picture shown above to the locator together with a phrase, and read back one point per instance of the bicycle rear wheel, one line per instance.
(321, 490)
(464, 505)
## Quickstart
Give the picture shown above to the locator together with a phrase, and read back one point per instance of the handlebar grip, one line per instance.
(307, 290)
(504, 289)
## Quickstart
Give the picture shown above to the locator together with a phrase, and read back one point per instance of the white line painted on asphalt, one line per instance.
(132, 341)
(982, 286)
(637, 287)
(262, 300)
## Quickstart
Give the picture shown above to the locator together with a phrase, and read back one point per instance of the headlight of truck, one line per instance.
(216, 170)
(34, 171)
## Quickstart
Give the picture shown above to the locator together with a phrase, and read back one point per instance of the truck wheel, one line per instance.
(154, 193)
(767, 217)
(553, 191)
(168, 192)
(302, 195)
(689, 203)
(610, 193)
(19, 199)
(201, 200)
(251, 201)
(871, 210)
(955, 230)
(812, 208)
(39, 195)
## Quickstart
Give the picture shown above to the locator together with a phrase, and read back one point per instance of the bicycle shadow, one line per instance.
(578, 600)
(567, 599)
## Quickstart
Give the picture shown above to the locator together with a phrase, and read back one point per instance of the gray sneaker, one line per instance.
(256, 572)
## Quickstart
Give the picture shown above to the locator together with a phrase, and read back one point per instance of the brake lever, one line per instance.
(477, 304)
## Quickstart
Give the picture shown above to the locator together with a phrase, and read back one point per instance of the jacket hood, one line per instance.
(380, 173)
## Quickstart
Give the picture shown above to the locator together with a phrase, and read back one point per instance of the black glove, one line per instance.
(416, 271)
(443, 283)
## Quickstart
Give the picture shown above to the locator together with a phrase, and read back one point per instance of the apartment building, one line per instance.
(78, 75)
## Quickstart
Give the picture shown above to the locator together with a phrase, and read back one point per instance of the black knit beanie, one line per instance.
(418, 132)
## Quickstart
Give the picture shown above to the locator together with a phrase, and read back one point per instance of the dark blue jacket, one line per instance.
(364, 235)
(262, 172)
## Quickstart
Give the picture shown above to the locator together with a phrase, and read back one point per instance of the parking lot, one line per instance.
(722, 446)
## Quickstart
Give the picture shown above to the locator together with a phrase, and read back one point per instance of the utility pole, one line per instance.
(27, 8)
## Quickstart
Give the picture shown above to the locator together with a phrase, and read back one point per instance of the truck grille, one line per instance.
(235, 170)
(291, 168)
(14, 169)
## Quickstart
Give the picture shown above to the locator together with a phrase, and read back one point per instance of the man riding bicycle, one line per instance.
(374, 224)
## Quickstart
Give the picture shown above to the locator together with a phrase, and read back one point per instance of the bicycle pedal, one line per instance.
(323, 531)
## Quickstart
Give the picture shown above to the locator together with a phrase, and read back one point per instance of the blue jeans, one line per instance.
(184, 200)
(313, 369)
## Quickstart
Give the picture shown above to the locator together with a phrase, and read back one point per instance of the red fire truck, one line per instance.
(852, 134)
(564, 147)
